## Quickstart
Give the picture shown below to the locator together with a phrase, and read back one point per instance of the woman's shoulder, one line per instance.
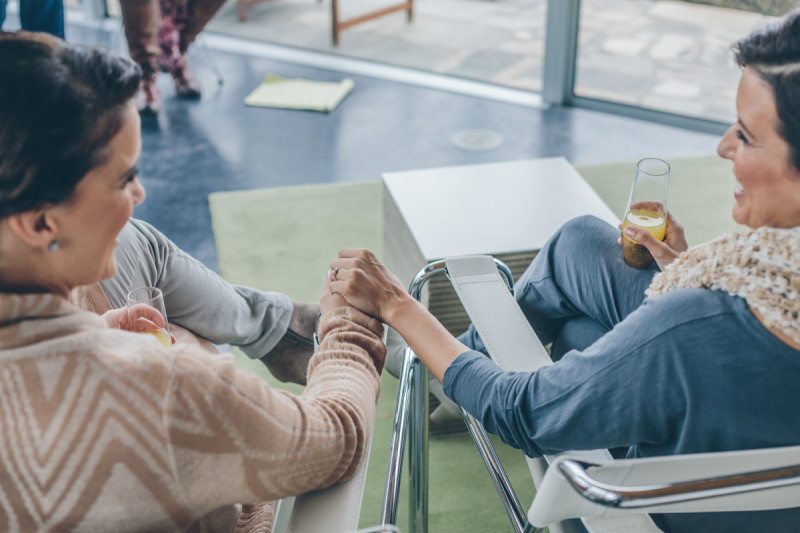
(682, 318)
(732, 316)
(695, 303)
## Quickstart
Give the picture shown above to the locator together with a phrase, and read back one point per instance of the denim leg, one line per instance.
(42, 15)
(195, 297)
(3, 4)
(579, 273)
(577, 334)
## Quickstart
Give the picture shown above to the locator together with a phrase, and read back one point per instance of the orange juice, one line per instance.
(652, 221)
(162, 335)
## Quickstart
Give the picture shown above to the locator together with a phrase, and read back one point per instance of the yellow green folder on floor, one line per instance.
(297, 93)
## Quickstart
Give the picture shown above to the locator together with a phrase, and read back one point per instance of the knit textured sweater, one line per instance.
(104, 429)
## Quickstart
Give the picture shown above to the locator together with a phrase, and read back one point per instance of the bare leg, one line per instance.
(142, 19)
(188, 17)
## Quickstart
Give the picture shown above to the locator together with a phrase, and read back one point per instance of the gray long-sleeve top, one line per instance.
(691, 371)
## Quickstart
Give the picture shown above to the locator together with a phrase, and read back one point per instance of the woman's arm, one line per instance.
(234, 439)
(365, 283)
(627, 388)
(431, 342)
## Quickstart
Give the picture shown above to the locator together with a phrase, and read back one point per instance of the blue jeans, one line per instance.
(39, 15)
(577, 288)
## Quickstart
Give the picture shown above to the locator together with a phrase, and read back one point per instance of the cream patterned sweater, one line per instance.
(106, 430)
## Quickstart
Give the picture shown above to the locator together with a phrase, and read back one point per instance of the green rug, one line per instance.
(283, 239)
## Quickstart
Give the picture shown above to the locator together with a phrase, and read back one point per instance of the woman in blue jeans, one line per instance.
(701, 353)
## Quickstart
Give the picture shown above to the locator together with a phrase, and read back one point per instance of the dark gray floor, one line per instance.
(218, 144)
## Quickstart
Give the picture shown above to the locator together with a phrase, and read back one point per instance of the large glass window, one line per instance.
(667, 55)
(497, 41)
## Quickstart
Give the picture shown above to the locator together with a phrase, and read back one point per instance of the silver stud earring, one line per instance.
(53, 246)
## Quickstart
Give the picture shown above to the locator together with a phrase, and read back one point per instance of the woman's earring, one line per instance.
(53, 246)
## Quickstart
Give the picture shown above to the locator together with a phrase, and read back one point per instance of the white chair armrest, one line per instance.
(751, 480)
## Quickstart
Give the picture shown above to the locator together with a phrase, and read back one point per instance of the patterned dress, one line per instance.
(174, 17)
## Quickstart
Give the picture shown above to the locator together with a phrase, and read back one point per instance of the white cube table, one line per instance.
(508, 210)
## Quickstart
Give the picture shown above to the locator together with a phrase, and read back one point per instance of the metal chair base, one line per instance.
(411, 424)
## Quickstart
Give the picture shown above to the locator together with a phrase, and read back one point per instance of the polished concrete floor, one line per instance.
(218, 144)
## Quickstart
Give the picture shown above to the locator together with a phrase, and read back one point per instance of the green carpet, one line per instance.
(283, 239)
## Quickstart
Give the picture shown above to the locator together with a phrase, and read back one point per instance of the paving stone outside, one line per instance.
(665, 54)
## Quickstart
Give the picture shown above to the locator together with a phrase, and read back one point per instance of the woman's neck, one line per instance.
(21, 277)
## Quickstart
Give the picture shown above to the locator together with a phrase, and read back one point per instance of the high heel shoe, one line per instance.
(186, 86)
(148, 99)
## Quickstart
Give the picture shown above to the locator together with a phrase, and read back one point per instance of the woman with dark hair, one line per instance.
(106, 429)
(702, 356)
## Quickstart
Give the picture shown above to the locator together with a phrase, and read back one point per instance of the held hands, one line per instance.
(329, 300)
(359, 278)
(666, 251)
(140, 318)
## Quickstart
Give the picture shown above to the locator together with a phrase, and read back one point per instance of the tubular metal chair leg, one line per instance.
(411, 418)
(502, 484)
(418, 451)
(397, 446)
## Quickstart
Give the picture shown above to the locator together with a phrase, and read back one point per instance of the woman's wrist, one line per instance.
(399, 305)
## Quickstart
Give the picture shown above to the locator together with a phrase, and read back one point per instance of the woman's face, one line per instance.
(767, 189)
(103, 201)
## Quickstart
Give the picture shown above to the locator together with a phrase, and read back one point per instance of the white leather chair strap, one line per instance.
(336, 508)
(503, 328)
(333, 509)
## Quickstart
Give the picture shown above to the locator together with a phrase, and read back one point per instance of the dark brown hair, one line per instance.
(60, 106)
(774, 54)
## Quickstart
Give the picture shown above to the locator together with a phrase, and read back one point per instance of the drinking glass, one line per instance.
(153, 297)
(647, 208)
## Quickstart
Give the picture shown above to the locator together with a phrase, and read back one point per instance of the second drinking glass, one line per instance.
(647, 208)
(153, 297)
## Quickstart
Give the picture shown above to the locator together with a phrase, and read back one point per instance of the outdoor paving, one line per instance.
(667, 55)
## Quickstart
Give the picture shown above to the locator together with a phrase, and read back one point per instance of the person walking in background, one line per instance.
(38, 15)
(159, 33)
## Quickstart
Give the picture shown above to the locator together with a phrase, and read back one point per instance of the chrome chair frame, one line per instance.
(411, 423)
(637, 497)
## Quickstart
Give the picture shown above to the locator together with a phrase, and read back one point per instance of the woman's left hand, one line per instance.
(666, 251)
(366, 284)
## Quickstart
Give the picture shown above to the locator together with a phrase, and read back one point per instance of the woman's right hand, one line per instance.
(139, 318)
(666, 251)
(366, 284)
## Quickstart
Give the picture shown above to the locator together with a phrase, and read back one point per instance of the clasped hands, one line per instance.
(358, 279)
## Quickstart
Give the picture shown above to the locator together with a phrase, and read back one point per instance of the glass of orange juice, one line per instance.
(647, 208)
(153, 297)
